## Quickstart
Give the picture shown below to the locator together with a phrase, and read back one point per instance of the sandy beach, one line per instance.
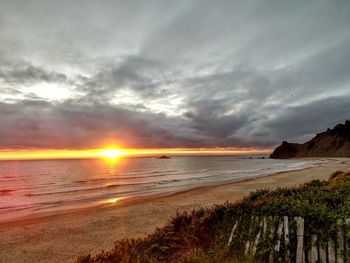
(60, 238)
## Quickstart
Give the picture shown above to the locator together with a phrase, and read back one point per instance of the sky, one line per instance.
(171, 74)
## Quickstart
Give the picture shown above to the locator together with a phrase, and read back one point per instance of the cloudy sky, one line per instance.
(155, 74)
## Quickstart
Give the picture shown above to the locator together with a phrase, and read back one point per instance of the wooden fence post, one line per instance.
(264, 226)
(232, 232)
(300, 235)
(323, 254)
(279, 234)
(346, 241)
(286, 238)
(256, 241)
(340, 242)
(331, 252)
(251, 228)
(271, 236)
(314, 254)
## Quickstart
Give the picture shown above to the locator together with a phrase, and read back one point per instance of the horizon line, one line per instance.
(50, 154)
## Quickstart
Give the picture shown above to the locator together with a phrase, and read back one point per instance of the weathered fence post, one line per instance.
(232, 232)
(279, 234)
(314, 254)
(256, 241)
(264, 226)
(251, 228)
(271, 236)
(331, 252)
(323, 254)
(300, 235)
(286, 238)
(340, 242)
(346, 241)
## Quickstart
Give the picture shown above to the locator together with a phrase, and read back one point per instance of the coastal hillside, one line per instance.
(308, 223)
(331, 143)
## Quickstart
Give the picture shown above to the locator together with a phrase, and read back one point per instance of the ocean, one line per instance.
(40, 187)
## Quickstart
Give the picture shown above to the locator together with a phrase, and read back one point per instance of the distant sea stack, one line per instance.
(331, 143)
(163, 157)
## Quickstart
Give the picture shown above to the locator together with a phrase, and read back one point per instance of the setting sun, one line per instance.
(112, 153)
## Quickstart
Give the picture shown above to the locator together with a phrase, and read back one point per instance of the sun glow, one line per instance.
(111, 153)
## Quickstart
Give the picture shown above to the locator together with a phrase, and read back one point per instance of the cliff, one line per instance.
(331, 143)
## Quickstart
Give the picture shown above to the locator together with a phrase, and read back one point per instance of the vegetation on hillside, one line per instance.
(201, 235)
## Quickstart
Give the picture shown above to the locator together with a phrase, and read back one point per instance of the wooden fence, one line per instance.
(288, 239)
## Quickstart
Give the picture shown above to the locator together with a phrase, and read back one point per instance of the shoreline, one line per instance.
(61, 238)
(127, 200)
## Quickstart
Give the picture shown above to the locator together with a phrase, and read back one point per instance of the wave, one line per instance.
(6, 191)
(213, 174)
(207, 174)
(204, 175)
(141, 175)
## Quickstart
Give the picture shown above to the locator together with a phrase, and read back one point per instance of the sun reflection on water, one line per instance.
(113, 200)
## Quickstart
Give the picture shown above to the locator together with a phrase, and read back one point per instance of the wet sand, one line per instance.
(60, 238)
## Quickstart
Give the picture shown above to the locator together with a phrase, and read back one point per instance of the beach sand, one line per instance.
(60, 238)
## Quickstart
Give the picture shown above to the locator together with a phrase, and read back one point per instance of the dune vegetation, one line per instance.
(202, 235)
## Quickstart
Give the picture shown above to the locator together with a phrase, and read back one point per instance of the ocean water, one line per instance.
(35, 188)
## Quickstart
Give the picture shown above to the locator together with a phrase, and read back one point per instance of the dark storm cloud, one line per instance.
(133, 73)
(212, 117)
(27, 74)
(305, 119)
(37, 123)
(322, 72)
(172, 73)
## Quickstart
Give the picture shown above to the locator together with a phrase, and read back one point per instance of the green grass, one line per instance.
(201, 235)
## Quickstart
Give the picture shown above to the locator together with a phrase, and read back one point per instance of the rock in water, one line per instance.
(163, 157)
(331, 143)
